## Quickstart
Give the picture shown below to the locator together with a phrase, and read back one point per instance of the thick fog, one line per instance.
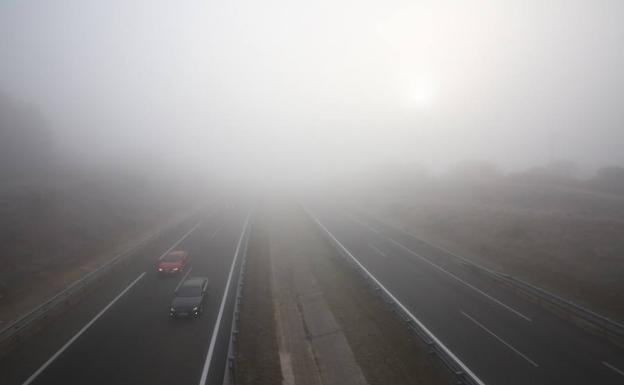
(287, 90)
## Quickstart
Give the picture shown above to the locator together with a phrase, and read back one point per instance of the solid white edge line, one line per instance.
(414, 319)
(500, 339)
(77, 335)
(180, 240)
(215, 331)
(426, 260)
(608, 365)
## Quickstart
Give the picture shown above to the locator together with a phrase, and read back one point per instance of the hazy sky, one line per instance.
(286, 86)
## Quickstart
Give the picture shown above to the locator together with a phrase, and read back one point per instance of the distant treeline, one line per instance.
(472, 173)
(608, 179)
(26, 145)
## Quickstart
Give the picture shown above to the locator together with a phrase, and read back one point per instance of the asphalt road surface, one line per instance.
(121, 333)
(500, 336)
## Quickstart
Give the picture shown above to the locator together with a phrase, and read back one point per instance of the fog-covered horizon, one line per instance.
(297, 90)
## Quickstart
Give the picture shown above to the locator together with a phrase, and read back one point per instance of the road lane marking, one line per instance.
(215, 331)
(180, 240)
(81, 331)
(77, 335)
(439, 267)
(516, 312)
(378, 251)
(461, 364)
(191, 268)
(426, 260)
(213, 235)
(501, 340)
(618, 371)
(184, 278)
(354, 219)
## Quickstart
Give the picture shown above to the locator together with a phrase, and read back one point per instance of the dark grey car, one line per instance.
(189, 298)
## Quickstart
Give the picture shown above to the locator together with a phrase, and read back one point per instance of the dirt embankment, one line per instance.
(329, 328)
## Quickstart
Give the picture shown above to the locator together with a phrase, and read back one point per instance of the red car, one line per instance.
(173, 262)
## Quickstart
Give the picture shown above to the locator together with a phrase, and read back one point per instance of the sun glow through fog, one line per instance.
(421, 95)
(284, 86)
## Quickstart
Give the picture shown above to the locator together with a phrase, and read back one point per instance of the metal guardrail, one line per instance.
(230, 370)
(600, 324)
(14, 332)
(462, 373)
(604, 326)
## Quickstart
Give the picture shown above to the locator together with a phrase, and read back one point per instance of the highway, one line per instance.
(502, 337)
(120, 333)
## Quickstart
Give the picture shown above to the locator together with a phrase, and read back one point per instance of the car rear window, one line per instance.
(172, 257)
(189, 291)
